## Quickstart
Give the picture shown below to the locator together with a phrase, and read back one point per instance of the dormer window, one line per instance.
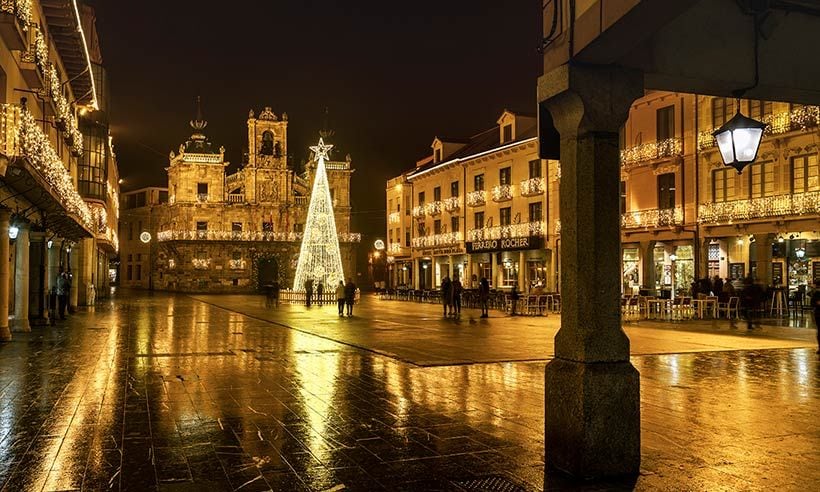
(506, 133)
(437, 156)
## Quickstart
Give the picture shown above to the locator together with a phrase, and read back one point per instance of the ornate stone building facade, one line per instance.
(235, 232)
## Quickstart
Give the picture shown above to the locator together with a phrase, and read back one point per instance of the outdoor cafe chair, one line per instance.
(729, 308)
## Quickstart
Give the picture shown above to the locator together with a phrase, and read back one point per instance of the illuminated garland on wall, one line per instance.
(394, 217)
(395, 248)
(800, 118)
(445, 239)
(772, 206)
(259, 236)
(30, 142)
(652, 218)
(524, 229)
(452, 204)
(502, 193)
(433, 208)
(419, 211)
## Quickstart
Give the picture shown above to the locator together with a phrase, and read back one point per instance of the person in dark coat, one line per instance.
(63, 289)
(308, 291)
(484, 297)
(717, 287)
(320, 289)
(350, 295)
(455, 296)
(514, 295)
(446, 294)
(752, 294)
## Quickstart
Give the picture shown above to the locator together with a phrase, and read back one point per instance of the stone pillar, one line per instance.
(592, 390)
(648, 265)
(416, 274)
(493, 278)
(5, 333)
(86, 254)
(21, 280)
(522, 272)
(73, 262)
(763, 258)
(703, 263)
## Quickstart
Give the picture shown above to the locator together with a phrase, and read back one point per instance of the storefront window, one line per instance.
(630, 266)
(714, 260)
(537, 273)
(684, 269)
(510, 273)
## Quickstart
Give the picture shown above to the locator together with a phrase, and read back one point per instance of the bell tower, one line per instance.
(267, 140)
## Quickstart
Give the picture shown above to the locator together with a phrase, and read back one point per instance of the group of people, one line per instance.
(345, 295)
(451, 296)
(723, 289)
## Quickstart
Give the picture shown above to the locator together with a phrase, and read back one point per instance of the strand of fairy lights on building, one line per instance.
(443, 239)
(532, 186)
(260, 236)
(19, 8)
(772, 206)
(799, 118)
(670, 147)
(523, 229)
(476, 198)
(502, 193)
(652, 218)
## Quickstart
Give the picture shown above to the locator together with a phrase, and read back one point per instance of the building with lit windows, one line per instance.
(684, 215)
(224, 231)
(59, 199)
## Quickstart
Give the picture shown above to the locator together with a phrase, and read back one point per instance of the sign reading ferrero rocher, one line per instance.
(506, 244)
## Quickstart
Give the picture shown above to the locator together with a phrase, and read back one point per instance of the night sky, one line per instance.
(392, 74)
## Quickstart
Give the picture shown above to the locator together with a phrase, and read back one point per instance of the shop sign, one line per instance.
(506, 244)
(442, 251)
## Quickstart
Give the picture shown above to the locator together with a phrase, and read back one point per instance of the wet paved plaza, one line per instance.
(168, 392)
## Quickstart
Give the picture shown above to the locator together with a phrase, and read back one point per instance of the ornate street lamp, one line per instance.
(739, 140)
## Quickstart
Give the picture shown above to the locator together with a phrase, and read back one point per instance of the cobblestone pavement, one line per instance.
(169, 393)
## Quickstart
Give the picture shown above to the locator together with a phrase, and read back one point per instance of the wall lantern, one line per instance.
(424, 265)
(781, 239)
(50, 243)
(13, 231)
(739, 140)
(800, 253)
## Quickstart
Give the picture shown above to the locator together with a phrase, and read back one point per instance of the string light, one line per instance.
(476, 198)
(532, 186)
(19, 8)
(452, 204)
(652, 218)
(444, 239)
(419, 211)
(201, 263)
(394, 217)
(433, 208)
(319, 257)
(671, 147)
(524, 229)
(799, 118)
(772, 206)
(502, 193)
(259, 236)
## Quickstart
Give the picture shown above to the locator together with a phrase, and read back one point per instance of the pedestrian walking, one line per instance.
(340, 297)
(446, 293)
(63, 288)
(455, 296)
(484, 297)
(275, 292)
(815, 303)
(308, 291)
(320, 289)
(350, 295)
(514, 298)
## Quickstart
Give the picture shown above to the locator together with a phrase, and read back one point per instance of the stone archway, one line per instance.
(267, 271)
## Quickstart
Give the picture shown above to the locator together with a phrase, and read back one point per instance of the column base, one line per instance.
(5, 334)
(593, 419)
(19, 324)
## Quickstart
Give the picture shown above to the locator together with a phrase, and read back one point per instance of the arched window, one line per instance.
(267, 143)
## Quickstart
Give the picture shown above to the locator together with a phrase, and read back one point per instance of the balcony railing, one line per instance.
(664, 217)
(800, 119)
(261, 236)
(202, 197)
(20, 135)
(452, 204)
(671, 147)
(202, 158)
(419, 211)
(772, 206)
(21, 9)
(236, 198)
(301, 200)
(394, 217)
(533, 186)
(395, 249)
(502, 193)
(434, 208)
(524, 229)
(444, 239)
(476, 198)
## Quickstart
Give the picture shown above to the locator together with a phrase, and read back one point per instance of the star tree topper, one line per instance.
(321, 150)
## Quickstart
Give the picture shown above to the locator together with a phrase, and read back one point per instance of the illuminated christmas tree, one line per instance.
(319, 257)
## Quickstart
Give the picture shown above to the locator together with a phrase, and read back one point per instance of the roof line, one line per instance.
(474, 156)
(94, 102)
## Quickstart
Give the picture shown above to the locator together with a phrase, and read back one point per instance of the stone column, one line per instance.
(5, 333)
(493, 277)
(592, 390)
(522, 272)
(416, 274)
(703, 263)
(648, 265)
(86, 253)
(73, 261)
(21, 280)
(763, 258)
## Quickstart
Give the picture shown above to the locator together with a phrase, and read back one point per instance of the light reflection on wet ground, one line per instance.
(164, 391)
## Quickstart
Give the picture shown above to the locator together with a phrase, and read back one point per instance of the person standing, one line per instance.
(275, 292)
(340, 297)
(455, 293)
(752, 295)
(446, 293)
(514, 298)
(63, 288)
(717, 287)
(320, 289)
(308, 291)
(350, 295)
(815, 303)
(484, 297)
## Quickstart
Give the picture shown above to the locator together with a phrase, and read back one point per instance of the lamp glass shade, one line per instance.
(13, 231)
(739, 140)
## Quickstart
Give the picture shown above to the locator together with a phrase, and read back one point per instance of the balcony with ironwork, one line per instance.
(244, 236)
(15, 18)
(476, 198)
(652, 218)
(452, 204)
(533, 187)
(798, 119)
(797, 204)
(236, 198)
(524, 229)
(502, 193)
(434, 208)
(419, 212)
(651, 151)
